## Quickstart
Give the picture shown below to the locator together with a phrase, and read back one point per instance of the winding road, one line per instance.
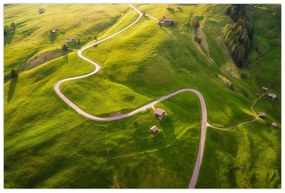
(204, 123)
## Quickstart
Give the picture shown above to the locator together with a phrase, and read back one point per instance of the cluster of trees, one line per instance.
(238, 36)
(9, 29)
(235, 11)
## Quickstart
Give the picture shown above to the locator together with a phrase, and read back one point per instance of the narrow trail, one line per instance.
(243, 123)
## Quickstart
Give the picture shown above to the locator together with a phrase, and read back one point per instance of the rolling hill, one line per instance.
(48, 145)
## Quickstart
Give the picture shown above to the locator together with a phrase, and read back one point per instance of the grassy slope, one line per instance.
(38, 144)
(250, 155)
(155, 61)
(164, 59)
(40, 134)
(33, 29)
(233, 107)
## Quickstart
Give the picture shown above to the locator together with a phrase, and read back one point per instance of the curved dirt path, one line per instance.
(243, 123)
(143, 108)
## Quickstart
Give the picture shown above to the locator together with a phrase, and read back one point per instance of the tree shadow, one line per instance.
(180, 9)
(65, 58)
(12, 88)
(172, 11)
(52, 38)
(8, 38)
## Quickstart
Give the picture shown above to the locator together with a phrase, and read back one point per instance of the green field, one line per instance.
(48, 145)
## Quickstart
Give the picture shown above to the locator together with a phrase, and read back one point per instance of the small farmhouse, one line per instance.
(272, 96)
(265, 89)
(166, 21)
(257, 94)
(69, 40)
(53, 31)
(154, 129)
(262, 115)
(42, 10)
(274, 125)
(159, 113)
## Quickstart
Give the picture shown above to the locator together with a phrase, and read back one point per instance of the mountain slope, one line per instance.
(48, 145)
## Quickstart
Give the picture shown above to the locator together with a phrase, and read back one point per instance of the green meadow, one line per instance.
(49, 145)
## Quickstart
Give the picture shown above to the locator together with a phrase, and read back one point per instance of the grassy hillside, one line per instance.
(250, 156)
(32, 34)
(47, 144)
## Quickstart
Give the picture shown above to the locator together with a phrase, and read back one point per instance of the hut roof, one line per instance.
(271, 95)
(167, 20)
(262, 114)
(154, 129)
(159, 112)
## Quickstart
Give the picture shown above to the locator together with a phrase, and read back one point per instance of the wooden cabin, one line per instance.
(274, 125)
(154, 129)
(69, 40)
(166, 21)
(53, 31)
(42, 10)
(271, 96)
(159, 113)
(265, 89)
(262, 115)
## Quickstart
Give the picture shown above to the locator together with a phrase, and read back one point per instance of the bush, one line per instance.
(64, 47)
(14, 74)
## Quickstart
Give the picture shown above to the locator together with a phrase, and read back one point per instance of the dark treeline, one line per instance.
(238, 36)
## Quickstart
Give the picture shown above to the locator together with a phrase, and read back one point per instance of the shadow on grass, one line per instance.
(8, 38)
(52, 38)
(172, 11)
(12, 88)
(65, 58)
